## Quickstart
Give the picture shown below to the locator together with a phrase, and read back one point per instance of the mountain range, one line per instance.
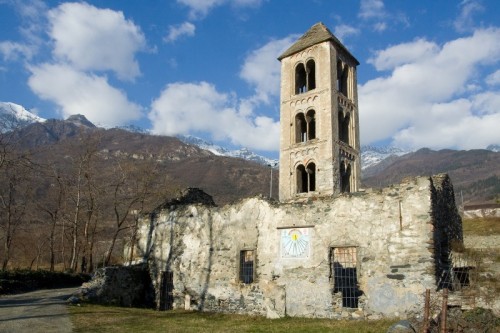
(475, 173)
(17, 116)
(14, 115)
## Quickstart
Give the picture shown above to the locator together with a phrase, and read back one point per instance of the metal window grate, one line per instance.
(460, 270)
(344, 272)
(247, 266)
(166, 291)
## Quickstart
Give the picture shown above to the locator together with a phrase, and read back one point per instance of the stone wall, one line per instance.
(123, 286)
(391, 233)
(481, 211)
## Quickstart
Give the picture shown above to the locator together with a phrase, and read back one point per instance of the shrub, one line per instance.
(17, 281)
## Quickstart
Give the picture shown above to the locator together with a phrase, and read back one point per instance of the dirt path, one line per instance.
(37, 311)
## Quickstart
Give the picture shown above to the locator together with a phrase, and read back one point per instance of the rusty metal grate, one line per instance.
(344, 272)
(247, 266)
(166, 291)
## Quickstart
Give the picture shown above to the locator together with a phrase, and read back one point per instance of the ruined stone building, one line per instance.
(328, 248)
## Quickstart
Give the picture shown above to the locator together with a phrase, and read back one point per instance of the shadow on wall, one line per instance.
(346, 282)
(162, 271)
(447, 233)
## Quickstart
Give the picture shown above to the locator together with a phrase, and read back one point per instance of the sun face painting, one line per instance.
(295, 243)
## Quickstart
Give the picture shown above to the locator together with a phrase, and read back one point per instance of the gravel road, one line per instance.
(37, 311)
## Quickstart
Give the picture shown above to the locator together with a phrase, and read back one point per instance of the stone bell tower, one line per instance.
(319, 136)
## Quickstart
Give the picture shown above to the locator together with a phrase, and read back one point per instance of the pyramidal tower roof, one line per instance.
(318, 33)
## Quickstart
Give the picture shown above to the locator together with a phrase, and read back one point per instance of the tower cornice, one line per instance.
(318, 33)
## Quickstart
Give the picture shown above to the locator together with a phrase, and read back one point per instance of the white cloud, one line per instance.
(425, 100)
(79, 93)
(90, 38)
(14, 51)
(452, 125)
(371, 9)
(32, 19)
(262, 70)
(493, 78)
(343, 30)
(374, 14)
(200, 8)
(487, 103)
(184, 108)
(380, 26)
(465, 20)
(405, 53)
(184, 29)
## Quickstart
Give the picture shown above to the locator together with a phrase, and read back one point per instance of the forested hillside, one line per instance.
(71, 192)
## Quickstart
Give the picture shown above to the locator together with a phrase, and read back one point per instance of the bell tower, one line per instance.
(319, 135)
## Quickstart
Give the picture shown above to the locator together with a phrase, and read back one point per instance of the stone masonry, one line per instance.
(394, 234)
(328, 249)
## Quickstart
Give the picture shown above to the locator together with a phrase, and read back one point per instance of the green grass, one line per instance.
(481, 226)
(97, 318)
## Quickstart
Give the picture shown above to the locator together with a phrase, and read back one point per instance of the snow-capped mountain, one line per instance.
(243, 153)
(134, 129)
(14, 115)
(495, 148)
(371, 155)
(80, 121)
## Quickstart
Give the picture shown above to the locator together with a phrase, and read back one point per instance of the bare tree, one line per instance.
(93, 196)
(14, 196)
(54, 209)
(137, 187)
(16, 171)
(78, 182)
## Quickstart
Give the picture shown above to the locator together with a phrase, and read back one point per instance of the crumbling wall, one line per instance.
(481, 211)
(392, 231)
(119, 285)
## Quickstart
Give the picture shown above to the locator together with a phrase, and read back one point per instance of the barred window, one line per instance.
(247, 268)
(344, 271)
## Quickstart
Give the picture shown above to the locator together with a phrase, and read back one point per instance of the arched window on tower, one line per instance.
(339, 74)
(306, 178)
(301, 179)
(342, 78)
(300, 128)
(311, 124)
(344, 122)
(311, 175)
(345, 177)
(305, 77)
(300, 79)
(311, 75)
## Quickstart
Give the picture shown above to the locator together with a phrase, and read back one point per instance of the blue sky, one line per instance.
(429, 71)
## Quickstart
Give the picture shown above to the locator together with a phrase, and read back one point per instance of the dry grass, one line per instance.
(481, 226)
(96, 318)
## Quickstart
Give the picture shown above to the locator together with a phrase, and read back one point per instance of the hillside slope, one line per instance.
(226, 179)
(475, 173)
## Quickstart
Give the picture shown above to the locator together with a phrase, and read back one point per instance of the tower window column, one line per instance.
(345, 177)
(306, 178)
(344, 122)
(343, 78)
(305, 126)
(311, 124)
(305, 77)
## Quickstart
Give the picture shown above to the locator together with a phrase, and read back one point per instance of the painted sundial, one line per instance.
(295, 243)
